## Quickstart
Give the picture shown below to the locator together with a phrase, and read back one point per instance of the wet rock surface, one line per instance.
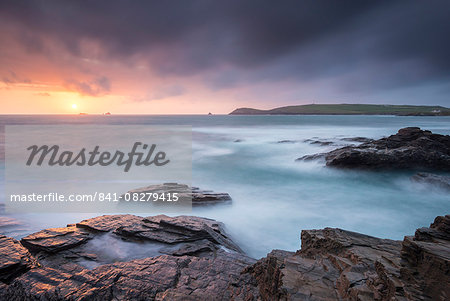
(54, 240)
(357, 139)
(426, 260)
(14, 259)
(183, 258)
(192, 258)
(199, 197)
(288, 141)
(320, 142)
(334, 264)
(313, 157)
(410, 148)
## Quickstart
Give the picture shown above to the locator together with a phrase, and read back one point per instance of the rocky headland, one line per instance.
(192, 258)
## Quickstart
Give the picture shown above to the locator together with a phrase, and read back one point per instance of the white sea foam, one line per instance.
(275, 197)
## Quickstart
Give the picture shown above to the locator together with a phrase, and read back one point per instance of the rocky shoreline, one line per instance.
(128, 257)
(193, 258)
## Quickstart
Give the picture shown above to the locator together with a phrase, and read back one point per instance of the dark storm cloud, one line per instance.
(369, 44)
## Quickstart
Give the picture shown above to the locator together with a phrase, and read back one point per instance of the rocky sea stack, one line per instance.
(192, 258)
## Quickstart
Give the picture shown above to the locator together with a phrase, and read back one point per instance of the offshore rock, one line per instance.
(410, 148)
(432, 179)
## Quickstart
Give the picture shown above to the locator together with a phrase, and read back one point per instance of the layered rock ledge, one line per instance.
(197, 196)
(410, 148)
(192, 258)
(169, 258)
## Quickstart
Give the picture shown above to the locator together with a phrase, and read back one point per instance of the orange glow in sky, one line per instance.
(70, 58)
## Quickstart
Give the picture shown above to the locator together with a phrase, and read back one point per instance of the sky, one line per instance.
(195, 57)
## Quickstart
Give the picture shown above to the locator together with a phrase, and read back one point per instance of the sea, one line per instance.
(274, 197)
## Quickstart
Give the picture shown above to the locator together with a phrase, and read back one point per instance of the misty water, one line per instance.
(275, 197)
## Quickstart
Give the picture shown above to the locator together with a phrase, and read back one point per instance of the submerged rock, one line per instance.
(357, 139)
(287, 141)
(198, 261)
(319, 142)
(311, 157)
(320, 156)
(436, 180)
(410, 148)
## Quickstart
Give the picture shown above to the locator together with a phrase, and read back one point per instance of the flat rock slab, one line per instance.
(198, 196)
(162, 228)
(178, 236)
(56, 239)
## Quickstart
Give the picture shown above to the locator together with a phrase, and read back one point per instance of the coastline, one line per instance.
(348, 110)
(63, 263)
(175, 250)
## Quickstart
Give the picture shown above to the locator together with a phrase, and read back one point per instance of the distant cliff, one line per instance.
(349, 109)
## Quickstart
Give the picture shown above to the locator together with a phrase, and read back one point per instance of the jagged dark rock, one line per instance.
(14, 259)
(334, 264)
(196, 195)
(198, 261)
(163, 277)
(426, 259)
(410, 148)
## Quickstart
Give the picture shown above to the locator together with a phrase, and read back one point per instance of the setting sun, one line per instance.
(74, 106)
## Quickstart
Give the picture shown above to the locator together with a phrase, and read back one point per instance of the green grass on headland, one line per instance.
(348, 109)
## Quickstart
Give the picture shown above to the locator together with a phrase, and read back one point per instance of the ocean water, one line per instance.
(275, 197)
